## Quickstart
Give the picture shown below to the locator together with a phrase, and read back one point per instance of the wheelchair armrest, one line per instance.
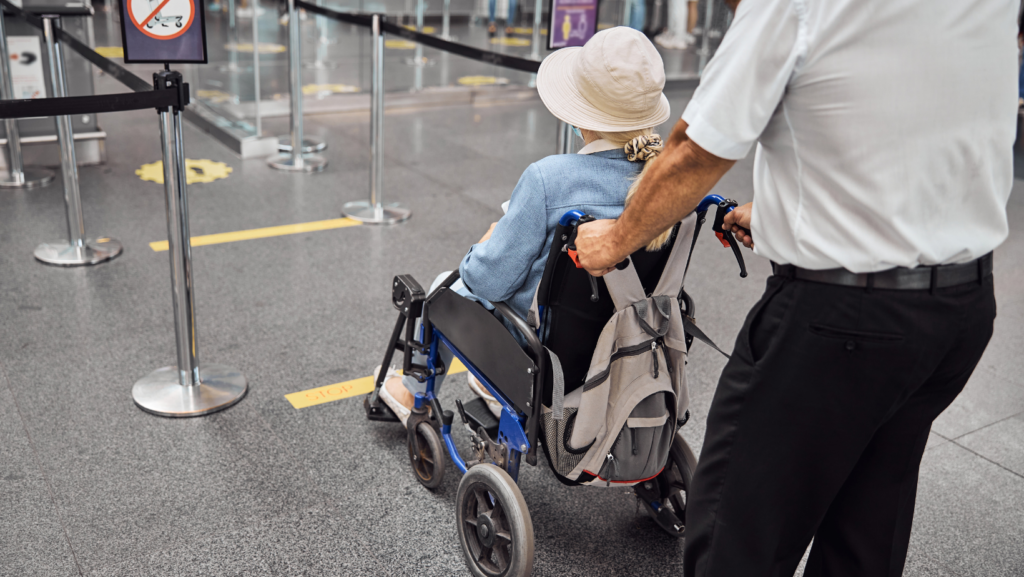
(536, 348)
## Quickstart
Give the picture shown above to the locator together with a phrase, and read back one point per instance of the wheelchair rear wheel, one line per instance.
(495, 529)
(676, 479)
(427, 455)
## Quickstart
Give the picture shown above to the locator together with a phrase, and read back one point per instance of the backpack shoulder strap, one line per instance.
(674, 275)
(625, 287)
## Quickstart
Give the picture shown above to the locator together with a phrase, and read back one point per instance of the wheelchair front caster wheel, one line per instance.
(426, 453)
(494, 524)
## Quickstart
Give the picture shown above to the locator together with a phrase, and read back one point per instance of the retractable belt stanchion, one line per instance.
(77, 250)
(300, 162)
(186, 390)
(17, 175)
(374, 211)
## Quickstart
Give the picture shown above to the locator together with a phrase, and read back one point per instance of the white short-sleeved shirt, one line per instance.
(884, 128)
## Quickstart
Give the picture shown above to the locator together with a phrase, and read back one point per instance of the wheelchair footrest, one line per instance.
(379, 411)
(480, 416)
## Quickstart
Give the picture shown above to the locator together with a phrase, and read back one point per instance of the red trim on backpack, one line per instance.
(631, 482)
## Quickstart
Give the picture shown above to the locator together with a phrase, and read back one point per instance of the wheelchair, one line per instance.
(494, 525)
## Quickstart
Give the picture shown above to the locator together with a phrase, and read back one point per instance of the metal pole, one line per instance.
(297, 151)
(17, 176)
(256, 64)
(291, 160)
(565, 138)
(418, 61)
(78, 250)
(705, 43)
(538, 8)
(185, 390)
(446, 17)
(374, 211)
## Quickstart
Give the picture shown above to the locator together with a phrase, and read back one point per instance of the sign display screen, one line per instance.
(572, 23)
(163, 31)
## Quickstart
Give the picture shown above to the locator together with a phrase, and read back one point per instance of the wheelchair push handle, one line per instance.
(725, 236)
(570, 246)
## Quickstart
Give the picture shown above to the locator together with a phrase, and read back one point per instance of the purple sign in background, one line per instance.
(573, 22)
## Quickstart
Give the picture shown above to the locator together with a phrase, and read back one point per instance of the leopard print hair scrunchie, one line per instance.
(643, 148)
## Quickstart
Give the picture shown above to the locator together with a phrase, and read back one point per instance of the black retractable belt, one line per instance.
(503, 60)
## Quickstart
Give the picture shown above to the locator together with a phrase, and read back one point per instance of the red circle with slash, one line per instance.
(146, 14)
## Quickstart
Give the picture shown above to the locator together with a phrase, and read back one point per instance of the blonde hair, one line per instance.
(640, 146)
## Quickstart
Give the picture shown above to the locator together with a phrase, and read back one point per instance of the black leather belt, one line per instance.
(920, 278)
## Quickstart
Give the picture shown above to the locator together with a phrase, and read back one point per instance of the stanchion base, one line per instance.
(161, 393)
(367, 213)
(307, 163)
(63, 254)
(309, 144)
(33, 178)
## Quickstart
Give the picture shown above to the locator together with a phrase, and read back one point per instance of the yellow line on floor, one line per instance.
(338, 391)
(223, 237)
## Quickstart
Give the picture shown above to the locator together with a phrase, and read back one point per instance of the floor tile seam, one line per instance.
(997, 464)
(42, 470)
(981, 428)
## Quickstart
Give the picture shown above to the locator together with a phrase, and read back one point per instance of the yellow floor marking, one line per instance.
(215, 96)
(201, 170)
(223, 237)
(399, 44)
(338, 391)
(265, 47)
(481, 80)
(110, 51)
(517, 30)
(426, 29)
(311, 89)
(506, 41)
(601, 26)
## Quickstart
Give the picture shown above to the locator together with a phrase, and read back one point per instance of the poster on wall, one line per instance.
(572, 23)
(163, 31)
(27, 77)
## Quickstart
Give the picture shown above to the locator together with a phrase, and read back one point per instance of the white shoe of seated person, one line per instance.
(481, 391)
(393, 393)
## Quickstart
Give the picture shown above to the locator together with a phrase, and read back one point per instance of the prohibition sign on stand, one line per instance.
(162, 19)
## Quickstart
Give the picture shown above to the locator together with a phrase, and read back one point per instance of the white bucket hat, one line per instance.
(613, 83)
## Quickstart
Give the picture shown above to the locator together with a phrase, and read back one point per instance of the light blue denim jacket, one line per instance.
(508, 267)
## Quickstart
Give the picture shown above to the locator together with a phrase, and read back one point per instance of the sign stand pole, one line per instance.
(17, 176)
(299, 162)
(77, 250)
(185, 390)
(297, 155)
(374, 211)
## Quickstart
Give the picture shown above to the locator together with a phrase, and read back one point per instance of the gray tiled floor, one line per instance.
(90, 485)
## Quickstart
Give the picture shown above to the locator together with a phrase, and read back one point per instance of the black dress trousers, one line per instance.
(819, 423)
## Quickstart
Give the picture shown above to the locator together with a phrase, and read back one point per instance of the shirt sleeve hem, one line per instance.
(711, 139)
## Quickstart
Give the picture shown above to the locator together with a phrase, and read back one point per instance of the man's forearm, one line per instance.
(670, 190)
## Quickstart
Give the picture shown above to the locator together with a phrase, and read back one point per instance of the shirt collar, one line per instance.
(599, 145)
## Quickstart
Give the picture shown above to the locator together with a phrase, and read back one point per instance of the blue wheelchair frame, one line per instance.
(513, 423)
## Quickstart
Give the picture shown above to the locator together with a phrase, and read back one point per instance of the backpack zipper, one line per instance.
(632, 351)
(654, 356)
(664, 351)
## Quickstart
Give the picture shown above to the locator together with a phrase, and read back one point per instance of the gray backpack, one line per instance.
(618, 427)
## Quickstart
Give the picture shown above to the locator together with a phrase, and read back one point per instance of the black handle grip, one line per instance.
(724, 208)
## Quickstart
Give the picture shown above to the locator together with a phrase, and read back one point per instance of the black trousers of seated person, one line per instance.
(819, 423)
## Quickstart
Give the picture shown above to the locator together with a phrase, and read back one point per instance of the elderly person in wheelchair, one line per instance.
(592, 366)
